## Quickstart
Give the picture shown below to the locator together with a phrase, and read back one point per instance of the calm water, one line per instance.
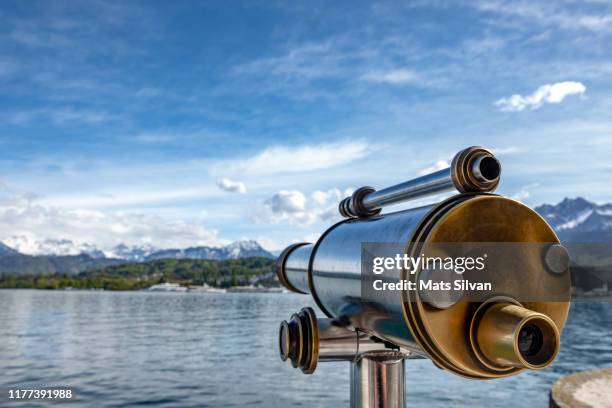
(198, 350)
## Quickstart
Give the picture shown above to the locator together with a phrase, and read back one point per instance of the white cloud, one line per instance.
(525, 192)
(395, 77)
(329, 198)
(548, 13)
(226, 184)
(299, 61)
(281, 208)
(439, 165)
(502, 151)
(154, 137)
(287, 201)
(521, 195)
(320, 197)
(60, 116)
(124, 197)
(25, 216)
(295, 207)
(549, 93)
(303, 158)
(351, 60)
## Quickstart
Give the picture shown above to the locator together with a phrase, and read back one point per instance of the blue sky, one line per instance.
(207, 122)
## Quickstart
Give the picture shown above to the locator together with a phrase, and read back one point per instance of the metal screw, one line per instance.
(557, 258)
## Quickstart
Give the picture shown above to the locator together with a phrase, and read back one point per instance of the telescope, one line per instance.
(512, 326)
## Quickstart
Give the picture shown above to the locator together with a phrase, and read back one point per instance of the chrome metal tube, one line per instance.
(292, 267)
(474, 169)
(337, 273)
(420, 187)
(377, 381)
(296, 267)
(336, 343)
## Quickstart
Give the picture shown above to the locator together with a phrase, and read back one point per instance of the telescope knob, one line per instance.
(557, 258)
(352, 206)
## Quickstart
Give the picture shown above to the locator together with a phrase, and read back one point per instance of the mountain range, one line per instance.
(15, 262)
(579, 220)
(136, 253)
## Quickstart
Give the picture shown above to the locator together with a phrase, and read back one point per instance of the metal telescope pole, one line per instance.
(377, 380)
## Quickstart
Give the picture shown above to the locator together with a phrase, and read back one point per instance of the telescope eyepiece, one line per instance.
(530, 340)
(538, 342)
(506, 335)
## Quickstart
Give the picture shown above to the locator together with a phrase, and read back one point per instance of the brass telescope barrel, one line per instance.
(474, 169)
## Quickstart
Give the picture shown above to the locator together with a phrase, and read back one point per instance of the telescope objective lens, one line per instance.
(489, 168)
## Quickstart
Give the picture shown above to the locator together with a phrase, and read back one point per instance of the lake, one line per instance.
(118, 349)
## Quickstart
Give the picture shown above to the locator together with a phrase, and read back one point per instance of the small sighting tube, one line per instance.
(474, 169)
(509, 335)
(292, 267)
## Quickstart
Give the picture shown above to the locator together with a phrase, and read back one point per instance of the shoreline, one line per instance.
(235, 289)
(240, 289)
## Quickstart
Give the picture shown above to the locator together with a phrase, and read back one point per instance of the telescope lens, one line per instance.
(489, 168)
(284, 339)
(530, 340)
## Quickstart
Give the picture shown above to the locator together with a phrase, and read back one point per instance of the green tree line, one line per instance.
(134, 276)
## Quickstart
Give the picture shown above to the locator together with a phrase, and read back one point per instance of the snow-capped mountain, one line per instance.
(13, 262)
(63, 259)
(235, 250)
(5, 250)
(245, 248)
(133, 253)
(578, 219)
(57, 247)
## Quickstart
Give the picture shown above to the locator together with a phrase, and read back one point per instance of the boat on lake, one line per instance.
(205, 288)
(167, 287)
(254, 289)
